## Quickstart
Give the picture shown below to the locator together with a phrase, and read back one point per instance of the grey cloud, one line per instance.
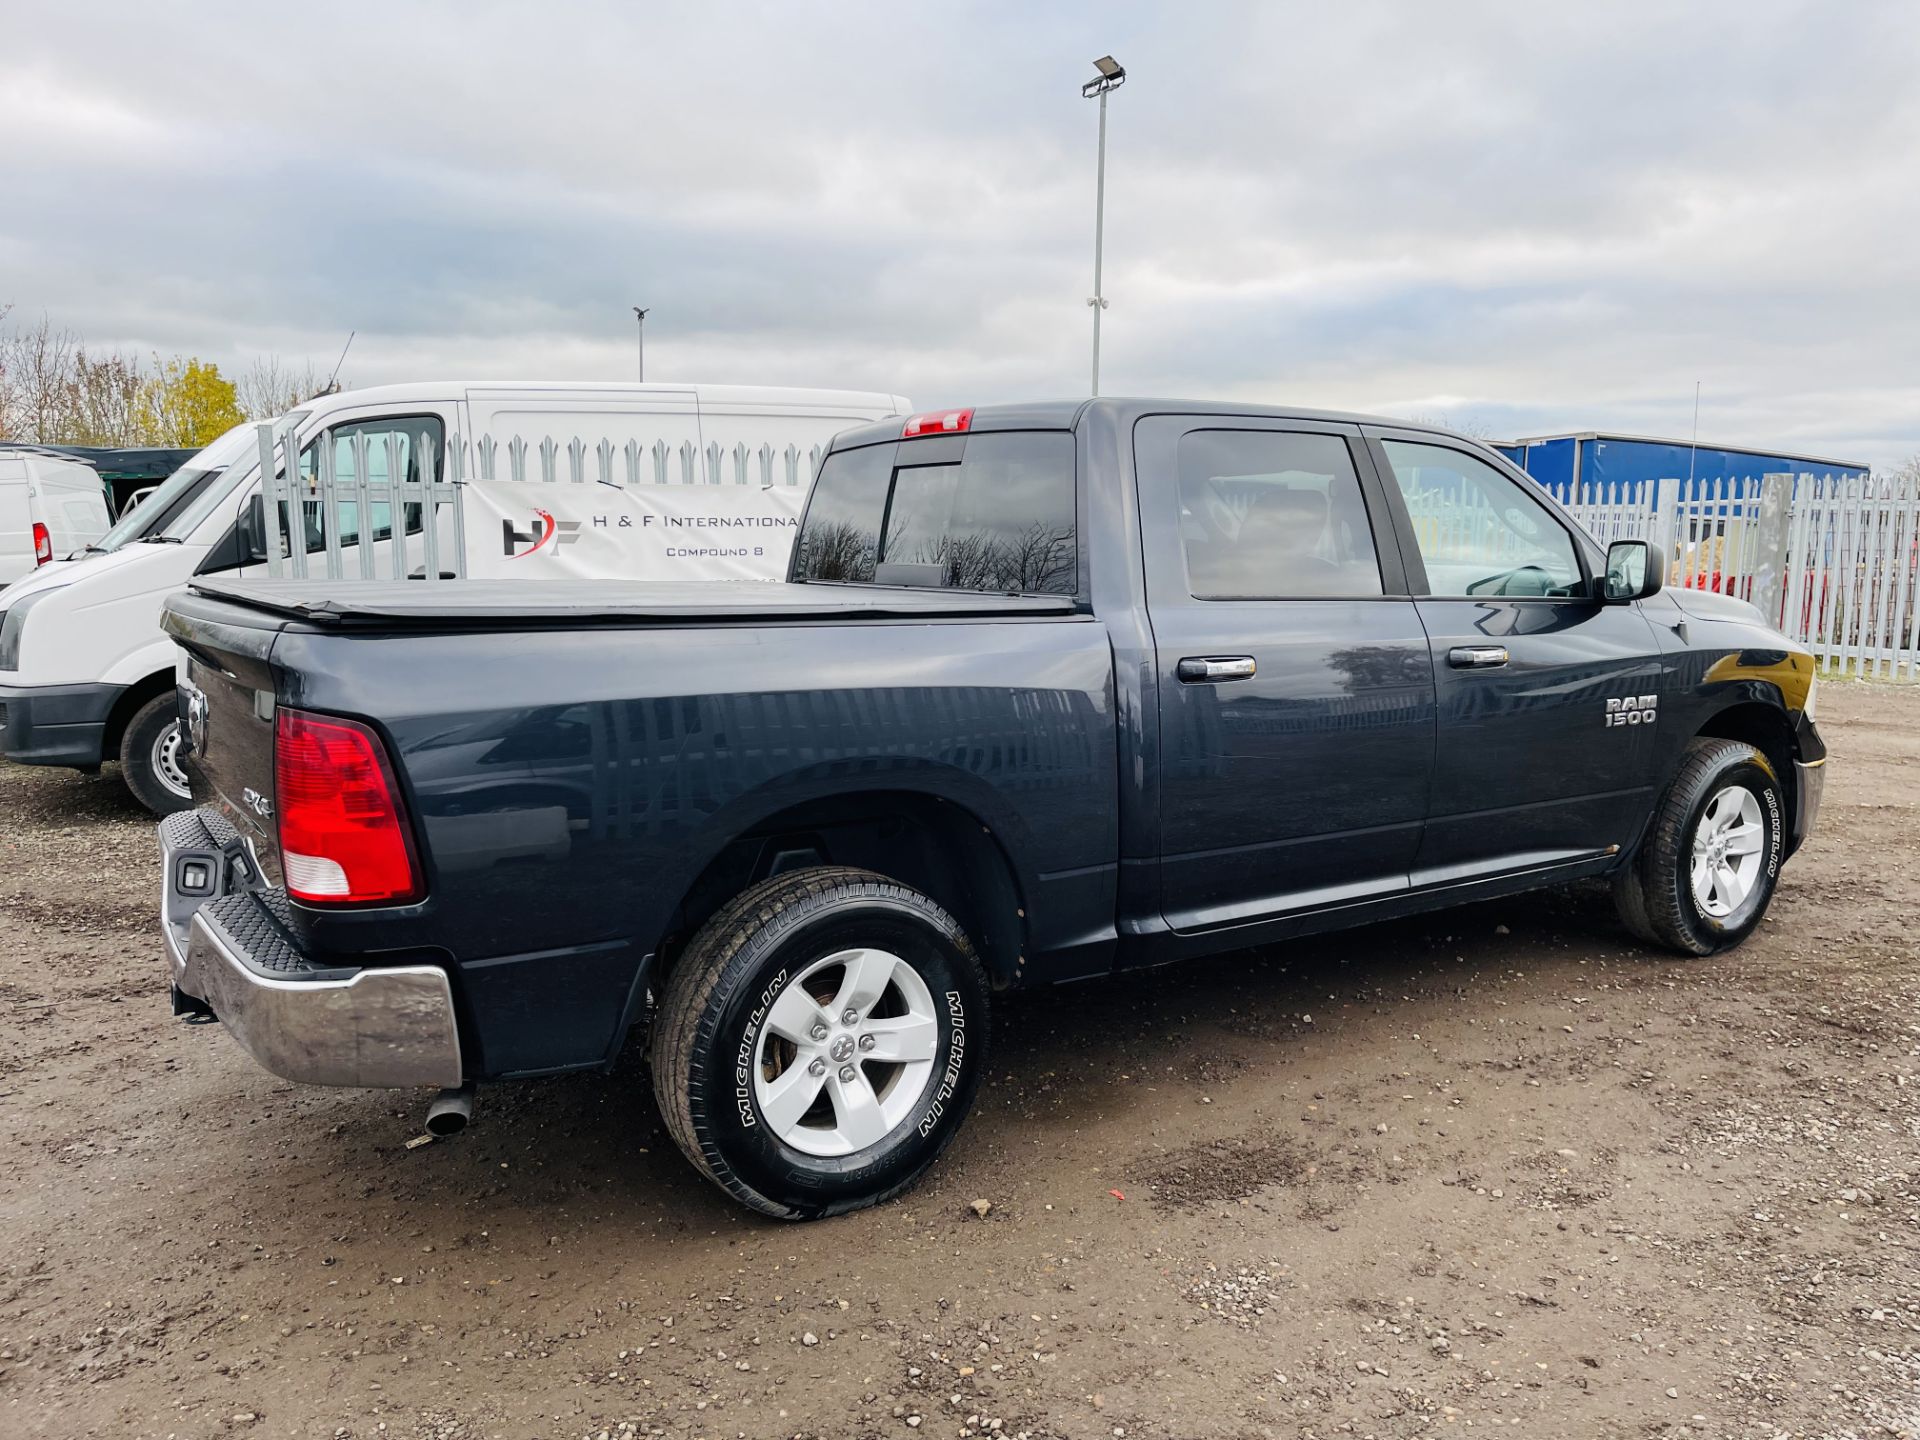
(1532, 217)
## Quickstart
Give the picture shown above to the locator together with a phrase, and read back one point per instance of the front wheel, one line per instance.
(1706, 871)
(152, 759)
(820, 1041)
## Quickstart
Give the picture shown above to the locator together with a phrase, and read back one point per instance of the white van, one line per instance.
(86, 675)
(50, 506)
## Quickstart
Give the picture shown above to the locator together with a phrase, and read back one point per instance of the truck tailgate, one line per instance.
(227, 699)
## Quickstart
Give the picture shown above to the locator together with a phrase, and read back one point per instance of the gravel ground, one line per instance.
(1494, 1170)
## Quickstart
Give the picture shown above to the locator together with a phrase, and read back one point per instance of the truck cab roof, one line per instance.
(1124, 410)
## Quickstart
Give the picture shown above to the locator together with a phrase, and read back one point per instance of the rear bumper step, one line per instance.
(301, 1019)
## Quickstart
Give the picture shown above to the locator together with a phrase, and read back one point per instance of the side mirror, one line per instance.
(253, 532)
(1635, 570)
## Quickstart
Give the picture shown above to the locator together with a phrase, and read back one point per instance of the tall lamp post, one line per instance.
(1111, 77)
(640, 335)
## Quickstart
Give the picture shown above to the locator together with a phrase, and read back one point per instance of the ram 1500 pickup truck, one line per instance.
(1051, 690)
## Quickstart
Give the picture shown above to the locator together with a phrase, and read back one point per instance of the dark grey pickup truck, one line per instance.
(1052, 690)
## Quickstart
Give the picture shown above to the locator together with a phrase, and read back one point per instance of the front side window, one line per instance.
(412, 437)
(1001, 518)
(1266, 515)
(405, 440)
(1479, 531)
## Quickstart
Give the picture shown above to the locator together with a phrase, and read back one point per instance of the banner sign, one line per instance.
(648, 532)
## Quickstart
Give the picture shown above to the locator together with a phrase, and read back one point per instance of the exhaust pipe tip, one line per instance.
(450, 1111)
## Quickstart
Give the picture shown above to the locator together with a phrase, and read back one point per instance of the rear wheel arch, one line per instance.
(766, 1082)
(936, 846)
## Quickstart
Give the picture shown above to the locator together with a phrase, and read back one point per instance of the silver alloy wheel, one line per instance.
(842, 1061)
(1727, 843)
(167, 763)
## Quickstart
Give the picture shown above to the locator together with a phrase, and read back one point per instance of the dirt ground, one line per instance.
(1495, 1170)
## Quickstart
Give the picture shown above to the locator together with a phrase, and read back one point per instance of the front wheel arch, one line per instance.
(150, 753)
(129, 703)
(1767, 728)
(1656, 891)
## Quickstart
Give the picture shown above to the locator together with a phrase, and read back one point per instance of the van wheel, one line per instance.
(1707, 870)
(151, 758)
(820, 1041)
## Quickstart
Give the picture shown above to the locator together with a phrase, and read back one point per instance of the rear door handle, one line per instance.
(1477, 657)
(1210, 669)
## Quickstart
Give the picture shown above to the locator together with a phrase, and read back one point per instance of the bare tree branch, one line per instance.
(270, 387)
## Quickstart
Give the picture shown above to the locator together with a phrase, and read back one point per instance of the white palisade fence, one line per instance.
(1851, 587)
(1833, 560)
(563, 490)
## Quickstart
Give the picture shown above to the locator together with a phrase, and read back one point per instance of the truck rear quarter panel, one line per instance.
(569, 785)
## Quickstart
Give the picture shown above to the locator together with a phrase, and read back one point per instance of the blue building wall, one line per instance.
(1574, 467)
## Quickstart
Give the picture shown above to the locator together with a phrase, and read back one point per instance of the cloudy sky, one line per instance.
(1523, 217)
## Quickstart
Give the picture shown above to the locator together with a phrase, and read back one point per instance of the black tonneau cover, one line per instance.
(479, 602)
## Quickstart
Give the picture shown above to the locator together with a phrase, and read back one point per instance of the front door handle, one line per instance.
(1210, 669)
(1477, 657)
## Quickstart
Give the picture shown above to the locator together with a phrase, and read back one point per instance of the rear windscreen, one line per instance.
(1000, 518)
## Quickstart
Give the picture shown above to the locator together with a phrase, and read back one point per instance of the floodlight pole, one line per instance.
(640, 336)
(1111, 77)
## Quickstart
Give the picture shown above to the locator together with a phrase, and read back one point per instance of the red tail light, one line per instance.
(42, 544)
(343, 832)
(938, 422)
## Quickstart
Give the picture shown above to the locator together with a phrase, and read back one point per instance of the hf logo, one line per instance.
(545, 528)
(1632, 710)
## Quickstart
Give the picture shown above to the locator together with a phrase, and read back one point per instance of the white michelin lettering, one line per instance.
(956, 1056)
(743, 1059)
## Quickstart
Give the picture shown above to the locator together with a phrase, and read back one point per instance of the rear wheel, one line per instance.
(820, 1041)
(1706, 872)
(152, 756)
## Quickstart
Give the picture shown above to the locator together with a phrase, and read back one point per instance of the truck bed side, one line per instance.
(571, 784)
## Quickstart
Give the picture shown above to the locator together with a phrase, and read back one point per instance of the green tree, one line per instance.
(189, 404)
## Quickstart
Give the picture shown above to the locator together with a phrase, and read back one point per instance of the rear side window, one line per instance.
(840, 538)
(1000, 519)
(1266, 515)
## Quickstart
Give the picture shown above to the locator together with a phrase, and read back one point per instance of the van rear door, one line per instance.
(68, 498)
(16, 521)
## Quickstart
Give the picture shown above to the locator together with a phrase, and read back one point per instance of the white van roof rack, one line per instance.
(51, 452)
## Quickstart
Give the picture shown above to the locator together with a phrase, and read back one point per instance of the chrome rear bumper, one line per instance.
(300, 1018)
